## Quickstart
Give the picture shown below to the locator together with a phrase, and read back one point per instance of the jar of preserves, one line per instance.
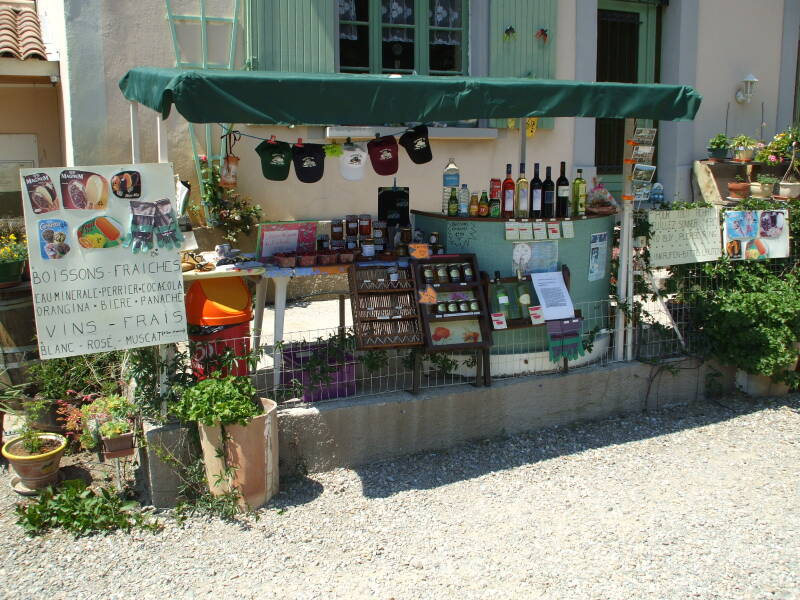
(368, 247)
(365, 225)
(452, 307)
(352, 225)
(454, 271)
(394, 274)
(427, 273)
(406, 235)
(433, 239)
(442, 308)
(380, 231)
(351, 243)
(337, 229)
(463, 306)
(323, 243)
(473, 306)
(441, 274)
(402, 250)
(466, 268)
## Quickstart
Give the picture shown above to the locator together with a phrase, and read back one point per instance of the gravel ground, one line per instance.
(697, 501)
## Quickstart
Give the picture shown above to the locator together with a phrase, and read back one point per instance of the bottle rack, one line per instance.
(385, 312)
(438, 328)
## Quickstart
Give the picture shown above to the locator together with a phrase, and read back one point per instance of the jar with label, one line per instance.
(365, 225)
(427, 273)
(433, 240)
(452, 307)
(367, 247)
(439, 249)
(467, 270)
(337, 244)
(337, 229)
(394, 274)
(323, 243)
(454, 271)
(473, 305)
(351, 242)
(379, 231)
(352, 225)
(463, 306)
(441, 274)
(406, 235)
(402, 250)
(442, 308)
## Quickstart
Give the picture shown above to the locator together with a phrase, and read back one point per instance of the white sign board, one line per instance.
(553, 295)
(103, 248)
(679, 237)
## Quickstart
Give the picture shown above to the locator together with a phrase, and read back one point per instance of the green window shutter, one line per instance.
(523, 55)
(291, 35)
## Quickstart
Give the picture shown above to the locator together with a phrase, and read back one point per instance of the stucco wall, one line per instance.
(34, 109)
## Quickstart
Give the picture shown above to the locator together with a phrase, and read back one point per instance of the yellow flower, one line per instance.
(12, 237)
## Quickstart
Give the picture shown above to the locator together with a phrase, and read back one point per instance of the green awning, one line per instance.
(277, 98)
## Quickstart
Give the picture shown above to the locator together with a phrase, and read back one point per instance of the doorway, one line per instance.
(627, 53)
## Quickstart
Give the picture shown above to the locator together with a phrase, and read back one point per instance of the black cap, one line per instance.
(309, 162)
(417, 144)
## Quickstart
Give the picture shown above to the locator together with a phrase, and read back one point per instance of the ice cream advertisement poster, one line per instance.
(103, 250)
(756, 234)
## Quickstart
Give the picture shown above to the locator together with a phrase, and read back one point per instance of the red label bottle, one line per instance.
(507, 191)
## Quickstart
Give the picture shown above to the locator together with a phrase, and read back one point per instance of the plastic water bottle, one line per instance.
(463, 201)
(450, 179)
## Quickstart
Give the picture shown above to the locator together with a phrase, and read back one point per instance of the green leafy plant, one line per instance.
(738, 178)
(779, 148)
(81, 511)
(767, 179)
(219, 400)
(55, 377)
(115, 428)
(719, 142)
(743, 142)
(227, 209)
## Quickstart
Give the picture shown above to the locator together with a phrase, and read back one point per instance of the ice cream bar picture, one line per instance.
(83, 190)
(127, 184)
(41, 193)
(100, 232)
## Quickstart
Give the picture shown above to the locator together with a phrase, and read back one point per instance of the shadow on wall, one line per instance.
(430, 470)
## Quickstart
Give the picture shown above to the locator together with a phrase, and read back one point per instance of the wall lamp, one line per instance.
(745, 92)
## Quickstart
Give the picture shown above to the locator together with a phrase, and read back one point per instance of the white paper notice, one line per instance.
(91, 292)
(540, 230)
(568, 229)
(553, 294)
(598, 252)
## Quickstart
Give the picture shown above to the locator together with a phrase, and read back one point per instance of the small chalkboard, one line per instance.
(460, 235)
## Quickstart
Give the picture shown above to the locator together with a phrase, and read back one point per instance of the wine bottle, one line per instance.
(507, 193)
(523, 208)
(501, 294)
(524, 298)
(579, 195)
(452, 203)
(536, 193)
(548, 196)
(562, 193)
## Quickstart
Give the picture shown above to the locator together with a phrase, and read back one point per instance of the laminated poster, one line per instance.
(553, 295)
(598, 251)
(103, 278)
(756, 234)
(288, 236)
(534, 257)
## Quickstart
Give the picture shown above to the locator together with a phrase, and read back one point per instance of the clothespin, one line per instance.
(299, 143)
(271, 140)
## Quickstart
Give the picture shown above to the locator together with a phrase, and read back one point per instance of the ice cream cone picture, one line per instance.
(83, 190)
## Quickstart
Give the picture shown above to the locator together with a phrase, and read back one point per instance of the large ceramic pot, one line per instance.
(11, 273)
(744, 154)
(717, 153)
(252, 451)
(789, 189)
(37, 471)
(761, 190)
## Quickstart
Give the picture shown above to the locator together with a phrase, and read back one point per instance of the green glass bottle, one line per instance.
(501, 295)
(578, 195)
(452, 203)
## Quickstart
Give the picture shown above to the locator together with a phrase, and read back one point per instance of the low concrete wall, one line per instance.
(347, 433)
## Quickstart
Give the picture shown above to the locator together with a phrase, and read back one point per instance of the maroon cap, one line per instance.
(383, 154)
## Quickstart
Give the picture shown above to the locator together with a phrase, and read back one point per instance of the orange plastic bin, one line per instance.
(219, 312)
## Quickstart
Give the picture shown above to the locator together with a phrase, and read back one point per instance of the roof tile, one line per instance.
(20, 34)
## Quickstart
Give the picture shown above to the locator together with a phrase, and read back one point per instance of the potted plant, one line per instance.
(789, 186)
(13, 254)
(238, 437)
(117, 438)
(106, 418)
(35, 456)
(763, 186)
(743, 147)
(738, 188)
(718, 146)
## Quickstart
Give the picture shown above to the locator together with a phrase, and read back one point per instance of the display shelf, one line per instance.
(501, 220)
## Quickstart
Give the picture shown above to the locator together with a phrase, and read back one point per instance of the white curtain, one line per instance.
(347, 12)
(399, 12)
(445, 13)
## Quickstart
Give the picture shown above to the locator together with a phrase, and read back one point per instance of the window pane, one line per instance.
(445, 51)
(445, 13)
(354, 49)
(397, 12)
(354, 10)
(398, 48)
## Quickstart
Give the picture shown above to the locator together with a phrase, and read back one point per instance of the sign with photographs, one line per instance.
(756, 234)
(679, 237)
(105, 270)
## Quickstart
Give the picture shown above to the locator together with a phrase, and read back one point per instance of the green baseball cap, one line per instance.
(276, 158)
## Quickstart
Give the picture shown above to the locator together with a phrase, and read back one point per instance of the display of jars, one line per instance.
(337, 229)
(454, 272)
(351, 222)
(365, 225)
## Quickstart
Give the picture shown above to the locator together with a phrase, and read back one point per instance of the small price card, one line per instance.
(512, 231)
(568, 229)
(537, 315)
(499, 321)
(525, 231)
(553, 230)
(419, 250)
(540, 231)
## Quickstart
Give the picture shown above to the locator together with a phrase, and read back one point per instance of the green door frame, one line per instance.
(648, 16)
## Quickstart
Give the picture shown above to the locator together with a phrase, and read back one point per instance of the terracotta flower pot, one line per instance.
(37, 471)
(738, 189)
(306, 260)
(252, 451)
(285, 261)
(119, 446)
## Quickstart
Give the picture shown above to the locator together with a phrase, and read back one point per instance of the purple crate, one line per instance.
(342, 379)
